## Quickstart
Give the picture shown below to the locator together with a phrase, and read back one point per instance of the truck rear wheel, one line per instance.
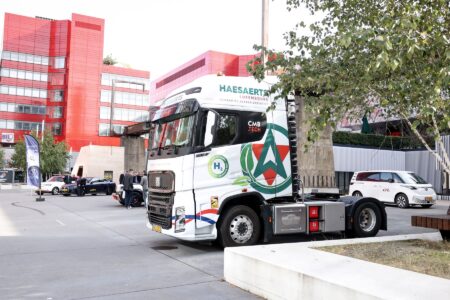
(240, 226)
(366, 220)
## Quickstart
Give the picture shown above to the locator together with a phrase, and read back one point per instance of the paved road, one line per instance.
(91, 248)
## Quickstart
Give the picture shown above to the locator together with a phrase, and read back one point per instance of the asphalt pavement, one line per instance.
(92, 248)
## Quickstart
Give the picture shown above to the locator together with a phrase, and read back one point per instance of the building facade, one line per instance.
(210, 62)
(52, 75)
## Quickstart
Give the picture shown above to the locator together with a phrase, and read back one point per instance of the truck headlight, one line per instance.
(180, 218)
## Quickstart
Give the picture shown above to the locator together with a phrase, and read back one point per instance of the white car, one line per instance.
(403, 188)
(52, 185)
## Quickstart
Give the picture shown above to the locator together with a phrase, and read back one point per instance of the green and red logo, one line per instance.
(266, 166)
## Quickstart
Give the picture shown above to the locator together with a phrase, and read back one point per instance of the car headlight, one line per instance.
(180, 218)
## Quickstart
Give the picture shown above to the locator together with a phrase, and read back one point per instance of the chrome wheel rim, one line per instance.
(367, 219)
(241, 229)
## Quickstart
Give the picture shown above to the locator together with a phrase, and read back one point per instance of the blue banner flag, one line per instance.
(33, 169)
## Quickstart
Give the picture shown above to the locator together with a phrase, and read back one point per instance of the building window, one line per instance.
(21, 91)
(58, 95)
(105, 112)
(105, 96)
(56, 128)
(60, 62)
(22, 108)
(103, 129)
(57, 112)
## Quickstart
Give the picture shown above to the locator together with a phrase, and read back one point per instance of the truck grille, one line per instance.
(161, 197)
(162, 181)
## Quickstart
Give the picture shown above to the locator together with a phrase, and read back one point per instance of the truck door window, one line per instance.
(226, 130)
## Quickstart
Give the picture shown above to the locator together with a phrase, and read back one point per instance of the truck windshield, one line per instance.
(177, 133)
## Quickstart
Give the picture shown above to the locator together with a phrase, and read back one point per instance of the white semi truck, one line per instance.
(221, 167)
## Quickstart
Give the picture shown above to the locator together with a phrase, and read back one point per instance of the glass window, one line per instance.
(35, 93)
(9, 124)
(4, 89)
(28, 92)
(226, 130)
(57, 112)
(27, 109)
(22, 57)
(18, 125)
(56, 128)
(103, 129)
(12, 90)
(412, 178)
(14, 56)
(34, 110)
(30, 58)
(37, 59)
(13, 73)
(385, 177)
(42, 110)
(4, 72)
(20, 108)
(58, 95)
(397, 178)
(368, 176)
(11, 107)
(42, 94)
(44, 77)
(105, 96)
(45, 60)
(3, 124)
(26, 126)
(59, 62)
(21, 74)
(3, 106)
(29, 75)
(6, 55)
(36, 76)
(20, 91)
(104, 112)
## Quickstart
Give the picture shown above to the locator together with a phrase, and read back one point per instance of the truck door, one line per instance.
(215, 170)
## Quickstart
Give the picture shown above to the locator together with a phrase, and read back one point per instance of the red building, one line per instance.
(210, 62)
(52, 73)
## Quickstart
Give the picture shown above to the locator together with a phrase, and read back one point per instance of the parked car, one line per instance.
(93, 186)
(54, 184)
(136, 197)
(402, 188)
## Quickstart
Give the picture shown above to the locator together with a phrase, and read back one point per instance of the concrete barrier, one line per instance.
(297, 271)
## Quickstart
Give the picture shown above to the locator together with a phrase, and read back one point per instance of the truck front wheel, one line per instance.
(366, 220)
(240, 226)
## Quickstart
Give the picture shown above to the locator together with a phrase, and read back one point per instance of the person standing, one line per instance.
(144, 183)
(128, 187)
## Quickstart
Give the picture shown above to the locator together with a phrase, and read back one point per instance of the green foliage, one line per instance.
(53, 156)
(109, 60)
(2, 159)
(364, 56)
(375, 141)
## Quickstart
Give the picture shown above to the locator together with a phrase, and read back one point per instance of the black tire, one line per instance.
(357, 194)
(136, 199)
(55, 191)
(66, 195)
(240, 226)
(366, 220)
(108, 191)
(426, 205)
(401, 200)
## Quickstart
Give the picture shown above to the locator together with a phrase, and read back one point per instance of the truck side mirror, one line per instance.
(210, 129)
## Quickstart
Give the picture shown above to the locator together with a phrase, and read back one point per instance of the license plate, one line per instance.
(429, 198)
(156, 228)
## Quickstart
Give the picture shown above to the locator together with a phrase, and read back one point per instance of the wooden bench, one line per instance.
(440, 222)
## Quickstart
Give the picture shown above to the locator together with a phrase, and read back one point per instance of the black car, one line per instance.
(93, 186)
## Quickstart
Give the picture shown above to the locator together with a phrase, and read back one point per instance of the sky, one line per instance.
(160, 35)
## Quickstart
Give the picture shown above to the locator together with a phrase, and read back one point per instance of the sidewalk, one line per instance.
(15, 186)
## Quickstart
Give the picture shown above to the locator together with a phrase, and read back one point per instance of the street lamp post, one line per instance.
(113, 95)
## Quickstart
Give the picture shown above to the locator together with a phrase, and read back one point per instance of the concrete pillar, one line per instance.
(134, 154)
(316, 166)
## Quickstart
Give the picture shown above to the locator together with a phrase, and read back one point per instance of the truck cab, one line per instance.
(220, 166)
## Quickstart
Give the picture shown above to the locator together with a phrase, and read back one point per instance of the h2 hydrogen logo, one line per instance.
(218, 166)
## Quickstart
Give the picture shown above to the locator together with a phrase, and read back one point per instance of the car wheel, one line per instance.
(66, 195)
(136, 199)
(108, 191)
(357, 194)
(426, 205)
(240, 226)
(55, 191)
(402, 200)
(366, 220)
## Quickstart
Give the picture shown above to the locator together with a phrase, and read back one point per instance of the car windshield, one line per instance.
(177, 132)
(412, 178)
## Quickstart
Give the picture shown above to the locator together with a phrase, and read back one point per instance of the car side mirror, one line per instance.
(210, 130)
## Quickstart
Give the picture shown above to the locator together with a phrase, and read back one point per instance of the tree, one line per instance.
(109, 60)
(53, 156)
(2, 159)
(363, 56)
